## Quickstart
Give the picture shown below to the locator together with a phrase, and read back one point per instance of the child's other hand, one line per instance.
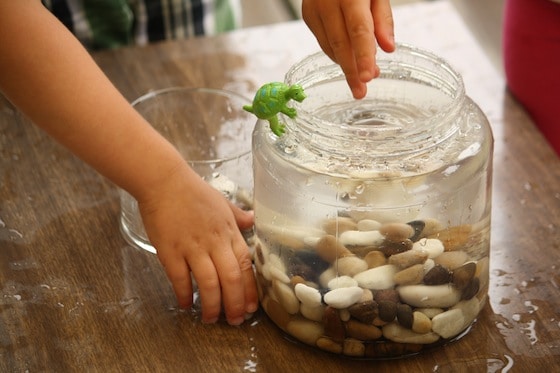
(195, 229)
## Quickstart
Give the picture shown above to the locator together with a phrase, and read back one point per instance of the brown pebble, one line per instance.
(438, 275)
(378, 322)
(410, 276)
(471, 289)
(375, 259)
(334, 327)
(294, 280)
(396, 232)
(418, 226)
(329, 345)
(361, 331)
(276, 312)
(366, 312)
(339, 225)
(421, 323)
(431, 226)
(404, 315)
(361, 251)
(391, 247)
(387, 310)
(391, 295)
(408, 258)
(303, 270)
(329, 249)
(353, 347)
(387, 349)
(453, 238)
(463, 275)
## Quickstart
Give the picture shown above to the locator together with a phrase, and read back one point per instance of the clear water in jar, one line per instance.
(377, 261)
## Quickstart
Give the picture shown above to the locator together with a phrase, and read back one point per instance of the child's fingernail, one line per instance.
(252, 307)
(236, 321)
(365, 76)
(210, 321)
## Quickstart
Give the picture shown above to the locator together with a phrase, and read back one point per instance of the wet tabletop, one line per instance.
(74, 296)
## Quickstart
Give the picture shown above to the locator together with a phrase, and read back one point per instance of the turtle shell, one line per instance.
(270, 99)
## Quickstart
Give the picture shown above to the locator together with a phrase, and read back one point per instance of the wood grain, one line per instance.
(75, 297)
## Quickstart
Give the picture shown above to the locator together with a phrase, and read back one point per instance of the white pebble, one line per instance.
(307, 295)
(327, 275)
(368, 225)
(358, 238)
(275, 261)
(342, 282)
(278, 274)
(428, 264)
(343, 297)
(292, 236)
(449, 323)
(470, 309)
(265, 271)
(432, 246)
(378, 278)
(438, 296)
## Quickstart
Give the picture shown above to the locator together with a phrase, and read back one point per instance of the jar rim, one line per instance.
(416, 65)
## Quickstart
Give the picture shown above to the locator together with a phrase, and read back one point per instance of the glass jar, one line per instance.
(372, 216)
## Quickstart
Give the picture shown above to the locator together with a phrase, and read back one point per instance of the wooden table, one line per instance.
(75, 297)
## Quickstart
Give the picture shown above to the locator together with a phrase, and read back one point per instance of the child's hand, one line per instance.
(347, 31)
(195, 229)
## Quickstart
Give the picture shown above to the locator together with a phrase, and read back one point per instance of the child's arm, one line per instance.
(347, 31)
(50, 77)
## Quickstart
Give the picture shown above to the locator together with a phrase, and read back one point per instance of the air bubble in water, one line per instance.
(360, 189)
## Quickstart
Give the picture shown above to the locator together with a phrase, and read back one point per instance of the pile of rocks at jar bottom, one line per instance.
(366, 289)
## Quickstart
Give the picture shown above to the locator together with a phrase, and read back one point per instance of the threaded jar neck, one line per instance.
(414, 106)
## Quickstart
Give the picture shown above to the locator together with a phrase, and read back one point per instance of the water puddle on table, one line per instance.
(498, 364)
(518, 308)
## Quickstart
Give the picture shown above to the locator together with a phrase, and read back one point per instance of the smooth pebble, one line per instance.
(286, 297)
(342, 282)
(307, 295)
(449, 323)
(439, 296)
(343, 297)
(368, 225)
(408, 258)
(377, 278)
(306, 331)
(314, 313)
(397, 333)
(361, 238)
(432, 246)
(351, 265)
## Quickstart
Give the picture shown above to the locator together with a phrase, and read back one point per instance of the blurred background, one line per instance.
(483, 18)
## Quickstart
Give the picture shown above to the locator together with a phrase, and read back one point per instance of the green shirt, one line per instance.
(102, 24)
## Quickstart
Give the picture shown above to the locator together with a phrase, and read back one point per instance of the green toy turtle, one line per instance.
(271, 99)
